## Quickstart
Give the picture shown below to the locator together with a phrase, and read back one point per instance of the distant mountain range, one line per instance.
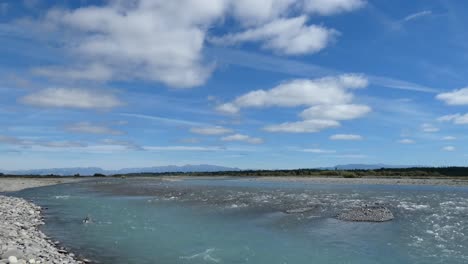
(174, 168)
(93, 170)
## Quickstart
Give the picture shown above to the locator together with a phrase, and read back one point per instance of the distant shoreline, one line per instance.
(17, 183)
(13, 184)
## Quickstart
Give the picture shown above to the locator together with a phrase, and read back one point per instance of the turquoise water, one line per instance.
(244, 221)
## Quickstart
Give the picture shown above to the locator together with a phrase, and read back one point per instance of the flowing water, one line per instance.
(246, 221)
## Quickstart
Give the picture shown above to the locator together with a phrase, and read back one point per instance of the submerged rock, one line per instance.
(367, 214)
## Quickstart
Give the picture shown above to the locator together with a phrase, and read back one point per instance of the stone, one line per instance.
(12, 259)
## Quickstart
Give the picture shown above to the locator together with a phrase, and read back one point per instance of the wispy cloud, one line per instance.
(346, 137)
(449, 148)
(417, 15)
(89, 128)
(174, 121)
(210, 130)
(243, 138)
(72, 98)
(318, 151)
(296, 68)
(406, 141)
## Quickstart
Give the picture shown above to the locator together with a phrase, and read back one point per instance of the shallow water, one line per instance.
(244, 221)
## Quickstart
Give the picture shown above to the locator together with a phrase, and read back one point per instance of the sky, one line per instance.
(262, 84)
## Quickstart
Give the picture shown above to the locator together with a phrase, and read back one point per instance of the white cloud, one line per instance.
(456, 97)
(449, 148)
(457, 119)
(335, 112)
(429, 128)
(417, 15)
(72, 98)
(448, 138)
(330, 7)
(87, 127)
(346, 137)
(327, 90)
(290, 36)
(211, 131)
(307, 126)
(406, 141)
(319, 151)
(146, 39)
(228, 108)
(243, 138)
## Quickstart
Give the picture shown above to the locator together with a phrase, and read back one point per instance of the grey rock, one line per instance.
(367, 214)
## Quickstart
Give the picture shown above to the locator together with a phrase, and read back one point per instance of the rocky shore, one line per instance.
(21, 241)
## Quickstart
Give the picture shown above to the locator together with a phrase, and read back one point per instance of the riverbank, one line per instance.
(21, 241)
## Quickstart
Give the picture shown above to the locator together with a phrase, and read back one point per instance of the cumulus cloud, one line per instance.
(87, 127)
(151, 40)
(329, 7)
(290, 36)
(243, 138)
(406, 141)
(429, 128)
(72, 98)
(346, 137)
(449, 148)
(457, 119)
(211, 131)
(336, 112)
(329, 100)
(307, 126)
(326, 91)
(456, 97)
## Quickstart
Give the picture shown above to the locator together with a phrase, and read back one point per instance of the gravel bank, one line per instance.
(17, 183)
(21, 241)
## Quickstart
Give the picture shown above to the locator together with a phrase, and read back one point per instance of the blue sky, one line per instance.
(249, 84)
